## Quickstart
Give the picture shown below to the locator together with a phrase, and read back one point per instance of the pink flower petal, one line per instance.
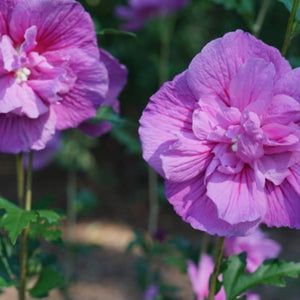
(60, 24)
(252, 82)
(283, 202)
(257, 246)
(185, 158)
(192, 204)
(9, 96)
(21, 134)
(167, 114)
(236, 197)
(282, 109)
(9, 55)
(88, 92)
(211, 71)
(286, 85)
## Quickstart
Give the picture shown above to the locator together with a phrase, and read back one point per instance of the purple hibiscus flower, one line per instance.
(225, 136)
(51, 74)
(139, 11)
(117, 77)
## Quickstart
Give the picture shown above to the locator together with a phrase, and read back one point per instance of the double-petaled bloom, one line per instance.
(51, 75)
(225, 136)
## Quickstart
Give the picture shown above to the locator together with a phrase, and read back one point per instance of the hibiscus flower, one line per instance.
(225, 136)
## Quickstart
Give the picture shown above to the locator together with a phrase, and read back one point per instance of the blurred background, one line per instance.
(102, 183)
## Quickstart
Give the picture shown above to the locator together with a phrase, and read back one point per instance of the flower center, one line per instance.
(22, 74)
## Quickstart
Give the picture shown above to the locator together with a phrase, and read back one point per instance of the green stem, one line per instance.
(25, 234)
(214, 278)
(20, 178)
(290, 29)
(260, 18)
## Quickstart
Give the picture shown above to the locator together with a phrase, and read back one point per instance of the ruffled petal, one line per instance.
(236, 197)
(286, 85)
(86, 94)
(21, 134)
(211, 71)
(253, 82)
(60, 24)
(8, 94)
(168, 113)
(283, 202)
(117, 74)
(186, 158)
(192, 204)
(282, 109)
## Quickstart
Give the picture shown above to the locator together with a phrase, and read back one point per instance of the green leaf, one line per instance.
(116, 31)
(46, 225)
(289, 4)
(50, 215)
(107, 113)
(43, 202)
(272, 272)
(15, 219)
(4, 283)
(176, 261)
(49, 279)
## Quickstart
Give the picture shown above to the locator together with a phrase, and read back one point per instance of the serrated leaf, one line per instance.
(15, 219)
(46, 225)
(289, 4)
(50, 215)
(272, 272)
(49, 279)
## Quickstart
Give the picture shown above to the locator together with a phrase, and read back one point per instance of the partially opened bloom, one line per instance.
(200, 275)
(257, 246)
(117, 78)
(139, 11)
(51, 74)
(225, 136)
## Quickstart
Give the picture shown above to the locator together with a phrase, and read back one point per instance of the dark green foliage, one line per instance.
(272, 272)
(49, 278)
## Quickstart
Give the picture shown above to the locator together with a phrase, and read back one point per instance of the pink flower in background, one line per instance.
(117, 77)
(257, 246)
(151, 292)
(199, 277)
(139, 11)
(51, 75)
(225, 136)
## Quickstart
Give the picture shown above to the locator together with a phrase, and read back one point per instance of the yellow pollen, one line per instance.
(22, 74)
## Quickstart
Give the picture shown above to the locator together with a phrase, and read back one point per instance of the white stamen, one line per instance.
(234, 146)
(22, 74)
